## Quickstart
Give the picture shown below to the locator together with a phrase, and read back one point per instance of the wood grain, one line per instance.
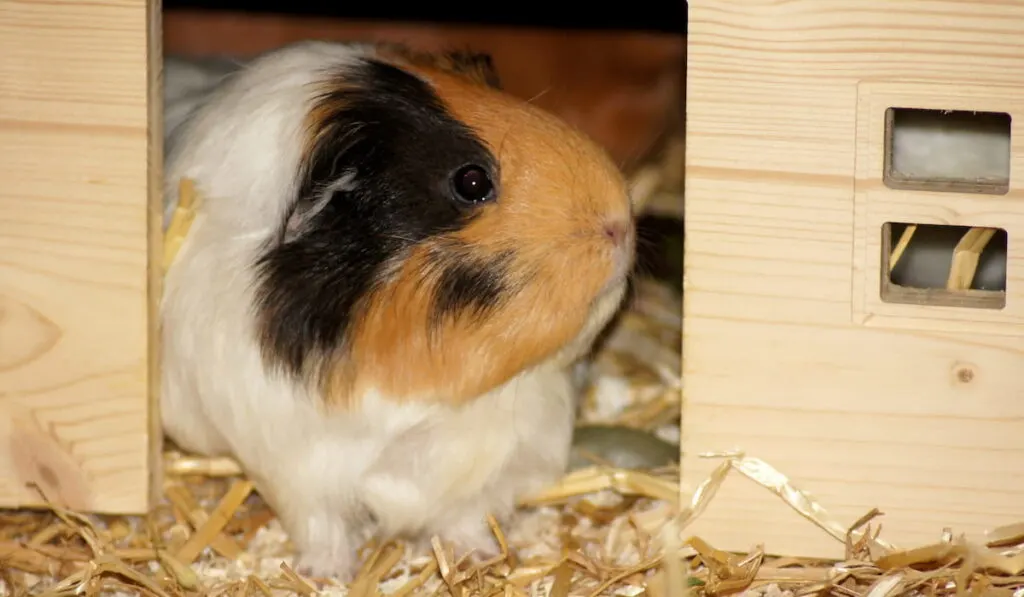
(789, 354)
(79, 166)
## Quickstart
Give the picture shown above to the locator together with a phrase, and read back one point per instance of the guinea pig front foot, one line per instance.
(470, 535)
(326, 550)
(315, 564)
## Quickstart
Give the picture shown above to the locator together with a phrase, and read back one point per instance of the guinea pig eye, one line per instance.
(472, 184)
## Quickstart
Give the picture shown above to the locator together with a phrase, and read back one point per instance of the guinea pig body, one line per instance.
(391, 271)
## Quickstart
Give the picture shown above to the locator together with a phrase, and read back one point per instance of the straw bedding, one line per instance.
(602, 531)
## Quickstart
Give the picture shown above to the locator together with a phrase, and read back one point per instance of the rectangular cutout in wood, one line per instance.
(959, 151)
(950, 266)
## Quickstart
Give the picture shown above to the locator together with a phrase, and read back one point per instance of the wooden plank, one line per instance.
(788, 353)
(79, 173)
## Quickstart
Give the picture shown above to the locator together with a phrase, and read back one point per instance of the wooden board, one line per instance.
(789, 355)
(79, 172)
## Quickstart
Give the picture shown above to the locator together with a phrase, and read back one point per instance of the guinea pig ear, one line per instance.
(306, 209)
(478, 65)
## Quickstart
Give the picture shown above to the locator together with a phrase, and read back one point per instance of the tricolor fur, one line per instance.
(378, 354)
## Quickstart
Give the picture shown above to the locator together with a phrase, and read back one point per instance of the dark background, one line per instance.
(654, 16)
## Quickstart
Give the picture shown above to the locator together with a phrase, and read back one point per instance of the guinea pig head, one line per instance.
(445, 236)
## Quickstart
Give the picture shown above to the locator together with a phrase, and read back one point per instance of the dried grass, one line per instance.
(600, 531)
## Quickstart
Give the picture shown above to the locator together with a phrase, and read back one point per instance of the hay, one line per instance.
(600, 531)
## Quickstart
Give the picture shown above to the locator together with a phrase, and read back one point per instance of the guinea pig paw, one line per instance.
(326, 565)
(478, 541)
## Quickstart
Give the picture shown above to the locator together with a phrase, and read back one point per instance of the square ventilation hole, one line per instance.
(950, 266)
(947, 150)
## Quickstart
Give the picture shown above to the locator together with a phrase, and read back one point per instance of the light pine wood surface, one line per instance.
(76, 335)
(789, 354)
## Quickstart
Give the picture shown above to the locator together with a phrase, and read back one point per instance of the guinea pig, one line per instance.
(392, 270)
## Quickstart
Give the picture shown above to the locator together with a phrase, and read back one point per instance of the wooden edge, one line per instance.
(154, 47)
(945, 185)
(941, 297)
(886, 257)
(684, 163)
(887, 136)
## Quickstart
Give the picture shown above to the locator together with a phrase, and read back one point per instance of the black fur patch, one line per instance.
(469, 285)
(390, 129)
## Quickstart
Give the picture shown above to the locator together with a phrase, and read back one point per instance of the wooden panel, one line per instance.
(79, 167)
(779, 359)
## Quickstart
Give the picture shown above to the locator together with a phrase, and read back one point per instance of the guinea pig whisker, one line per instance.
(642, 267)
(540, 95)
(639, 150)
(499, 150)
(645, 263)
(400, 237)
(645, 237)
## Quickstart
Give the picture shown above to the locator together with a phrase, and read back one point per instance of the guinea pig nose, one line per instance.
(617, 231)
